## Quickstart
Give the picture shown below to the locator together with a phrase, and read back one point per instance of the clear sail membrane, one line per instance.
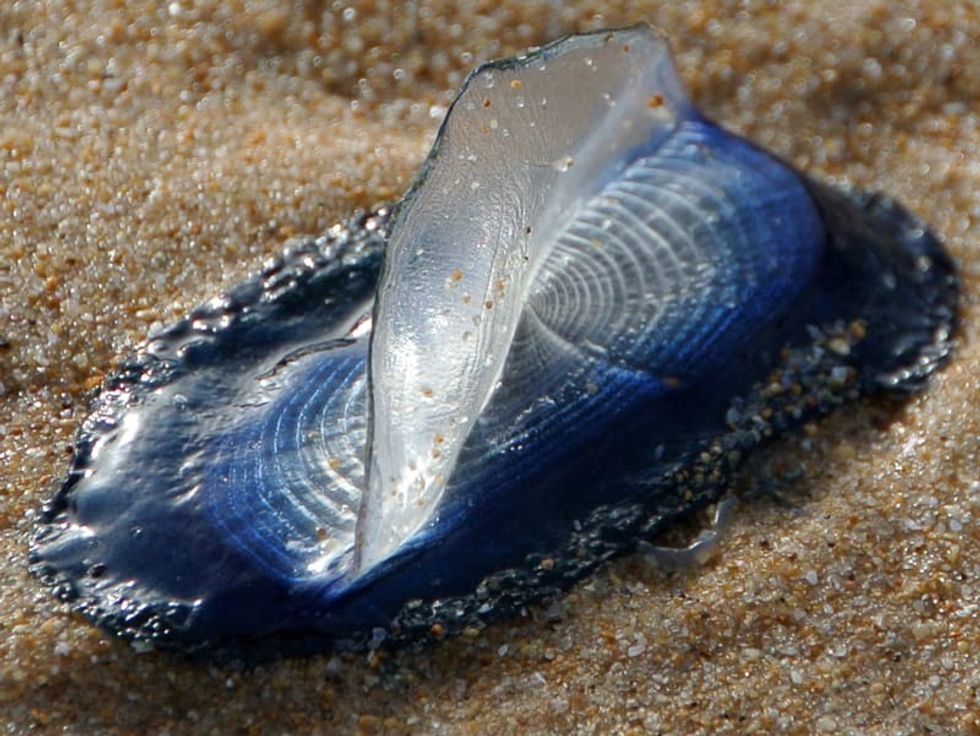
(525, 146)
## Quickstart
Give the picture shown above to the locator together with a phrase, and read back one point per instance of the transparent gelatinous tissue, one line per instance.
(556, 211)
(591, 303)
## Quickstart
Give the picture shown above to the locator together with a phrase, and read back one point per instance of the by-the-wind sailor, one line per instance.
(589, 305)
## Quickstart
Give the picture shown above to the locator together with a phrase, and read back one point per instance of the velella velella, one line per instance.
(589, 306)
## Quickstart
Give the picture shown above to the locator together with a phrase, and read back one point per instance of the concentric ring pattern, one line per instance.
(654, 281)
(286, 486)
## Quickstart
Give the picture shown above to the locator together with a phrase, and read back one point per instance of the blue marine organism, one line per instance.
(589, 306)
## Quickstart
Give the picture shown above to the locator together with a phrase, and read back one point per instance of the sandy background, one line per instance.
(153, 153)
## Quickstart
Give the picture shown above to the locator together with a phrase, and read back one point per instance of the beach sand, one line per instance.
(152, 154)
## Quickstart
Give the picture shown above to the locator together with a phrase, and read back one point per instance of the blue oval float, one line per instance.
(589, 306)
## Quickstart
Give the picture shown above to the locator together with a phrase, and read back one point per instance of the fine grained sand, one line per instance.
(154, 153)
